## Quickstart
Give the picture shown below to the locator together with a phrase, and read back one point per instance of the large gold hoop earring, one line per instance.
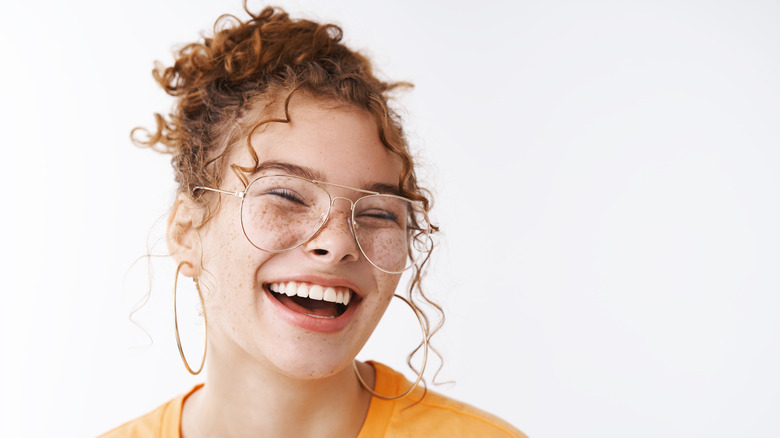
(176, 321)
(422, 369)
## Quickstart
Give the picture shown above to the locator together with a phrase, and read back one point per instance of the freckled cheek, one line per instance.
(226, 245)
(272, 228)
(231, 262)
(387, 285)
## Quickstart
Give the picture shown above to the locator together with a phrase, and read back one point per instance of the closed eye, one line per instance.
(379, 214)
(286, 194)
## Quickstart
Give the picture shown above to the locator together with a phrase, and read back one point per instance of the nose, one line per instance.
(335, 241)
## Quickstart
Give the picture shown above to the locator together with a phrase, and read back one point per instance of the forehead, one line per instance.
(339, 143)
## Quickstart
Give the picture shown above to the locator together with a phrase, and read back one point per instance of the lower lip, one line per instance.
(310, 323)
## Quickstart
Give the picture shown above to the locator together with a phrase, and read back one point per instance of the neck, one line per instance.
(243, 399)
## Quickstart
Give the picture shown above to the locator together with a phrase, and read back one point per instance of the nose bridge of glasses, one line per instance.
(333, 200)
(347, 213)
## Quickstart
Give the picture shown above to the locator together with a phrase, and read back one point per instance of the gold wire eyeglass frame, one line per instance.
(351, 219)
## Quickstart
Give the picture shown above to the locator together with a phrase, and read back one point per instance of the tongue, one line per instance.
(306, 306)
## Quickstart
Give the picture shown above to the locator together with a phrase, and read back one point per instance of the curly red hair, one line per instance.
(216, 81)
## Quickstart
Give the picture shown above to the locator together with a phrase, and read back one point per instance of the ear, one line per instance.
(182, 236)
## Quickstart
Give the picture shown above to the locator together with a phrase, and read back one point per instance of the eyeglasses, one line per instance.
(282, 212)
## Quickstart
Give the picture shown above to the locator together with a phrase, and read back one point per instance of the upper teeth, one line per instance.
(340, 295)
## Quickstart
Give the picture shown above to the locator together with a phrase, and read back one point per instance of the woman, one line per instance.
(297, 211)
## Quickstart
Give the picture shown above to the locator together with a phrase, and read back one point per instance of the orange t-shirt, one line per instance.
(434, 416)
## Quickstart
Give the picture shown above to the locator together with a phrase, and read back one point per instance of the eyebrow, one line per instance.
(289, 169)
(314, 175)
(387, 189)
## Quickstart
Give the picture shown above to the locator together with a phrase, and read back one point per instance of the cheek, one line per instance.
(222, 252)
(230, 264)
(386, 286)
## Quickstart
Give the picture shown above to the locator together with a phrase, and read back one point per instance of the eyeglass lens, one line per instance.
(282, 212)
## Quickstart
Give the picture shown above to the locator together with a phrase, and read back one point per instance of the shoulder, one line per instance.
(456, 417)
(429, 414)
(163, 422)
(149, 425)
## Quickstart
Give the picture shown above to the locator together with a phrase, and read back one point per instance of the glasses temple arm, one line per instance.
(237, 194)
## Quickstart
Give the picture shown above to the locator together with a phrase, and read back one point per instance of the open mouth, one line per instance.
(312, 299)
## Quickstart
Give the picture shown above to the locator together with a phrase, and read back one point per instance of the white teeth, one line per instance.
(329, 295)
(340, 295)
(316, 292)
(291, 289)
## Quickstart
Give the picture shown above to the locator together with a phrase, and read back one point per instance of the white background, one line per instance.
(606, 176)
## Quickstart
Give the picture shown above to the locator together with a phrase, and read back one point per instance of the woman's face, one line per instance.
(249, 323)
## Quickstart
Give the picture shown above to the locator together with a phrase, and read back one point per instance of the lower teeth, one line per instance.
(320, 316)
